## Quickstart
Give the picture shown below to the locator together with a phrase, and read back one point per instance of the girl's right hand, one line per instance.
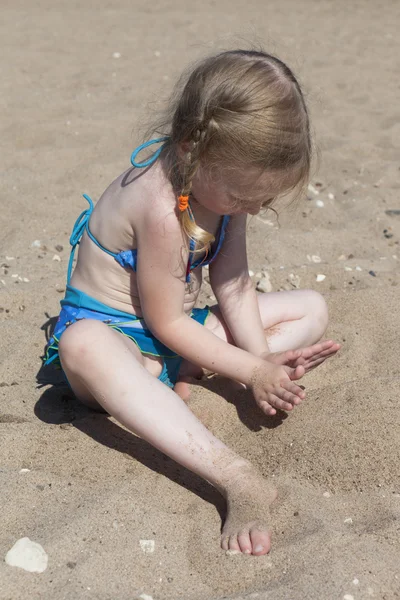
(273, 389)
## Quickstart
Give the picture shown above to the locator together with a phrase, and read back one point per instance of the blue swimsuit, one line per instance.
(77, 305)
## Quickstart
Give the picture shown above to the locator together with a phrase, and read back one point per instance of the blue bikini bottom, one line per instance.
(77, 306)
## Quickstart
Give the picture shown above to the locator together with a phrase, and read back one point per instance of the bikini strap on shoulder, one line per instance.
(153, 157)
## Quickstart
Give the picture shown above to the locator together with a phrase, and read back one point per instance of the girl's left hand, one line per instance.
(307, 358)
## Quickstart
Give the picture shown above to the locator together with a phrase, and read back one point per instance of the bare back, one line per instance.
(117, 222)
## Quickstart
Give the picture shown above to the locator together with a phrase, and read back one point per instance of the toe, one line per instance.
(244, 542)
(233, 543)
(225, 543)
(260, 541)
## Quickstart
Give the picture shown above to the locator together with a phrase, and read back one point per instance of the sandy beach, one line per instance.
(79, 82)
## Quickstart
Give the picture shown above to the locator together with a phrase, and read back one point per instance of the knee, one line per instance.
(77, 342)
(317, 311)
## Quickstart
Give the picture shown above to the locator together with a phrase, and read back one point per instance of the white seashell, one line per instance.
(320, 203)
(320, 277)
(348, 520)
(36, 244)
(57, 258)
(315, 258)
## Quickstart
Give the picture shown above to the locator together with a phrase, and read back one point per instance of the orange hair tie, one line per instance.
(183, 202)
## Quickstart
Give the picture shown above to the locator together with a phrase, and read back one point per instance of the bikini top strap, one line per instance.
(153, 157)
(77, 233)
(222, 231)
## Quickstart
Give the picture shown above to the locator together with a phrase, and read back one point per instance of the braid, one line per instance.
(191, 166)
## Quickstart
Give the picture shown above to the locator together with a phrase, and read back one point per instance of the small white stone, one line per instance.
(27, 555)
(116, 54)
(232, 552)
(24, 470)
(315, 258)
(264, 285)
(342, 257)
(57, 258)
(348, 597)
(157, 53)
(14, 275)
(320, 277)
(148, 546)
(358, 268)
(312, 189)
(3, 282)
(25, 280)
(356, 581)
(326, 495)
(320, 203)
(10, 258)
(37, 243)
(145, 597)
(251, 273)
(348, 269)
(348, 520)
(331, 196)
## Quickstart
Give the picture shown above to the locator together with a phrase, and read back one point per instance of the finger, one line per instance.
(317, 348)
(267, 409)
(289, 397)
(298, 372)
(293, 388)
(280, 404)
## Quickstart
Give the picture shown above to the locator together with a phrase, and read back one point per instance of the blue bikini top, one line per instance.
(128, 258)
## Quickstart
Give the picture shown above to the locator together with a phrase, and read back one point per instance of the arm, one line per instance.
(161, 284)
(234, 290)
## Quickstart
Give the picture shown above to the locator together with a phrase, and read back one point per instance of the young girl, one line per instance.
(128, 333)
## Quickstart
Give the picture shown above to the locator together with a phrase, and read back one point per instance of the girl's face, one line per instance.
(240, 192)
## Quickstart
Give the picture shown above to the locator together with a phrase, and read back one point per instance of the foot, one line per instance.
(246, 528)
(187, 373)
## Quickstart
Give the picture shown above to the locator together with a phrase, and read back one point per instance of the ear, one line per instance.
(183, 150)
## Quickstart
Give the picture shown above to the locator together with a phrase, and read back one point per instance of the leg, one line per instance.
(103, 369)
(291, 320)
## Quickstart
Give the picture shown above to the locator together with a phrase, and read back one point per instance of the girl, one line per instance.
(128, 333)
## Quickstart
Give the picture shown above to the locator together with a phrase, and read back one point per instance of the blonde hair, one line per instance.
(238, 109)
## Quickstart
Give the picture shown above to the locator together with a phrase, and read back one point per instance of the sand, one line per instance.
(93, 490)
